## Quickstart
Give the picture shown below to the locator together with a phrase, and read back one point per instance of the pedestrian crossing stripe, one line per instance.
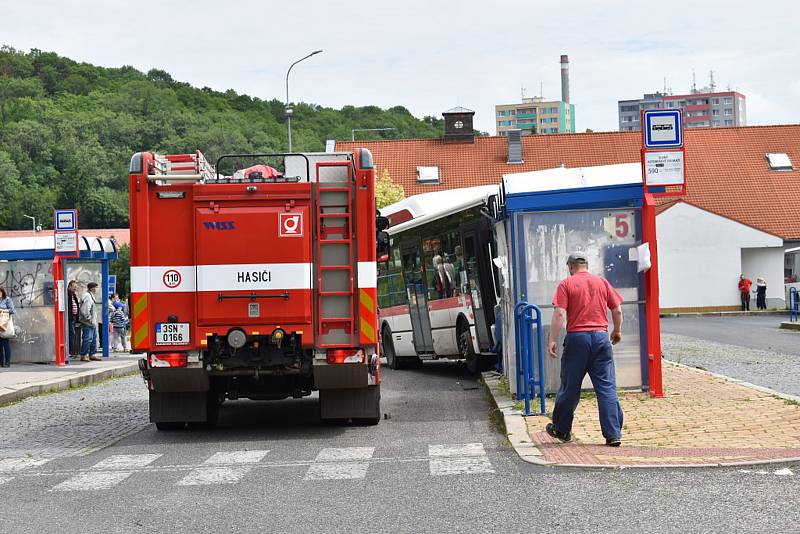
(107, 473)
(230, 467)
(223, 468)
(340, 463)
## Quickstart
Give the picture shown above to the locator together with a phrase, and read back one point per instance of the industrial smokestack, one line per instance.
(565, 78)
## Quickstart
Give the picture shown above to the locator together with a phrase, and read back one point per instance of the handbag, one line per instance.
(7, 329)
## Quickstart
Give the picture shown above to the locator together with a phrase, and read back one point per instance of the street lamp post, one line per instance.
(289, 110)
(33, 221)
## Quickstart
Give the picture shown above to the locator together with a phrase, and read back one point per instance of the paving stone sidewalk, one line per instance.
(702, 420)
(23, 380)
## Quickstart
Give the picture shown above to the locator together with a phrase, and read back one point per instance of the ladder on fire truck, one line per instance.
(336, 254)
(181, 168)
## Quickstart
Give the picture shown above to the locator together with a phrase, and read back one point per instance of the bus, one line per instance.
(437, 287)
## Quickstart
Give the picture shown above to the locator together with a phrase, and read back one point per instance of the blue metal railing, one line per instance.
(530, 362)
(794, 304)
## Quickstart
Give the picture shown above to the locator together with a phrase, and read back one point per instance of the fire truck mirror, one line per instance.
(381, 223)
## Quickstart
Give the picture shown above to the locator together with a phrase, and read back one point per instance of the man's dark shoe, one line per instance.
(560, 436)
(613, 442)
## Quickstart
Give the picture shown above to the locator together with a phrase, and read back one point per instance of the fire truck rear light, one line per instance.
(168, 359)
(171, 194)
(344, 356)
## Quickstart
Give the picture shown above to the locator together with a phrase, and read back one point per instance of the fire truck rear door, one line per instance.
(254, 262)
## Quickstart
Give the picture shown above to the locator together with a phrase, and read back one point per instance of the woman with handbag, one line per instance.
(6, 327)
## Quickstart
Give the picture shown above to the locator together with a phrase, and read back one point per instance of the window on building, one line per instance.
(728, 100)
(428, 175)
(505, 123)
(728, 111)
(728, 122)
(512, 112)
(715, 112)
(502, 113)
(714, 123)
(779, 162)
(715, 101)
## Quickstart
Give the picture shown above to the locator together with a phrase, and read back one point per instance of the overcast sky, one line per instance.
(432, 55)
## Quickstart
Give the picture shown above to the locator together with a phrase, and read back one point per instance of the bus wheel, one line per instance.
(466, 349)
(388, 349)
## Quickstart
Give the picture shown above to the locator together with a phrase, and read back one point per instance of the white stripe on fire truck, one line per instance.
(235, 277)
(254, 276)
(367, 274)
(163, 279)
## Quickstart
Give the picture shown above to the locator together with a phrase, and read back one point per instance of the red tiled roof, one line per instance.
(727, 172)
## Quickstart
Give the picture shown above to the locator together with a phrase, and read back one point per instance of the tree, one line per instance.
(121, 269)
(386, 191)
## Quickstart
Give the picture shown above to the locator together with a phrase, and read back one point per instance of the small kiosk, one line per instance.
(36, 280)
(603, 212)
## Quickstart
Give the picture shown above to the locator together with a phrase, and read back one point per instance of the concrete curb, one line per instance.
(517, 429)
(788, 325)
(513, 421)
(59, 384)
(725, 313)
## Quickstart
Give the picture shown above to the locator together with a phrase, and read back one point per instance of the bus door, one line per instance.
(417, 293)
(476, 278)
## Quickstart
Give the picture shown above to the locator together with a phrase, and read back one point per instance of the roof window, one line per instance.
(779, 162)
(428, 175)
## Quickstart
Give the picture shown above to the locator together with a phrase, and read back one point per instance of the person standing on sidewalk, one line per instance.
(744, 291)
(583, 301)
(88, 321)
(761, 293)
(119, 322)
(7, 305)
(73, 307)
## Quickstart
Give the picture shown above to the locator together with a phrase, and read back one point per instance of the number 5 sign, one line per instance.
(290, 225)
(619, 226)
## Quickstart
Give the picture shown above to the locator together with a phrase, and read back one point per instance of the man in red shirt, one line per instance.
(744, 291)
(583, 301)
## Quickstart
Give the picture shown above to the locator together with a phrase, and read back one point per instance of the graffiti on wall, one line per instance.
(30, 286)
(28, 283)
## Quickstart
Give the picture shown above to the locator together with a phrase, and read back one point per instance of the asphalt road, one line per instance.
(759, 332)
(436, 465)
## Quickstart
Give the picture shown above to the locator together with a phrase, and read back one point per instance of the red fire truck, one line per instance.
(260, 284)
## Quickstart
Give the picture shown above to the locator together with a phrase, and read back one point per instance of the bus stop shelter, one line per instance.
(36, 280)
(601, 211)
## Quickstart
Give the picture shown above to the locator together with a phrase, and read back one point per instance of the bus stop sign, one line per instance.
(662, 128)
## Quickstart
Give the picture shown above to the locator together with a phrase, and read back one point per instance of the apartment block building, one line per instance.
(536, 116)
(707, 109)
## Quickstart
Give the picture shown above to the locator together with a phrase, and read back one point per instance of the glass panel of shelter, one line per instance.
(605, 236)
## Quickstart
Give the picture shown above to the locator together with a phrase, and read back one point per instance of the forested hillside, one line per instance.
(68, 130)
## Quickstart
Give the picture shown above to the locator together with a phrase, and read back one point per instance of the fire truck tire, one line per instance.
(212, 412)
(170, 426)
(360, 405)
